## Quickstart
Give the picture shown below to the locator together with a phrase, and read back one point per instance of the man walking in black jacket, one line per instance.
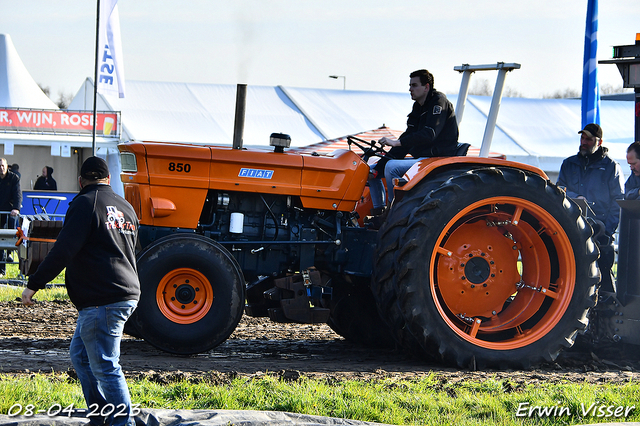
(97, 246)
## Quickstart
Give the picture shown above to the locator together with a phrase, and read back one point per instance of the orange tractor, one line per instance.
(480, 261)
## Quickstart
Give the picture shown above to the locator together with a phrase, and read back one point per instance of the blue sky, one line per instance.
(374, 43)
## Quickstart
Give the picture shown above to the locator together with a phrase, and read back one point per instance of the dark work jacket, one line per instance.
(631, 188)
(46, 183)
(597, 178)
(97, 246)
(10, 192)
(432, 129)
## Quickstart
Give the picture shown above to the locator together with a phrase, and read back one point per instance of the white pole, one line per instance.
(462, 95)
(492, 118)
(95, 81)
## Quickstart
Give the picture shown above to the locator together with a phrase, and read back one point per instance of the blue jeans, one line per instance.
(95, 354)
(392, 170)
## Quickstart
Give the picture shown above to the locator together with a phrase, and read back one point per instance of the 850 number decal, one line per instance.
(179, 167)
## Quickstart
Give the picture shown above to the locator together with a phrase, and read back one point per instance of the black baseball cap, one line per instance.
(592, 130)
(94, 168)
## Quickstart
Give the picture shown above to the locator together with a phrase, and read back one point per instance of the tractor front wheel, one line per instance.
(192, 294)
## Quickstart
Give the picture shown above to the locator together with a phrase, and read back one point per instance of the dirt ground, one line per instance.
(36, 339)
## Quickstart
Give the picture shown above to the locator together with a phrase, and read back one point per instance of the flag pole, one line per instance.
(590, 90)
(95, 81)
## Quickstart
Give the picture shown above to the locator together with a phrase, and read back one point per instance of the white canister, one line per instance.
(236, 223)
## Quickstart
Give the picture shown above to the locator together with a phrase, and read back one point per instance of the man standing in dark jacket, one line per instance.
(46, 182)
(432, 131)
(593, 176)
(632, 185)
(10, 202)
(97, 246)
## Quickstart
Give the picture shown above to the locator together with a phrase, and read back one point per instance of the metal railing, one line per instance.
(8, 239)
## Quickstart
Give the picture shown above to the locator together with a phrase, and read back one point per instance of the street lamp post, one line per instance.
(344, 80)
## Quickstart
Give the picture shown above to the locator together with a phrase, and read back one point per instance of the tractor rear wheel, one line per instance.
(383, 283)
(496, 268)
(192, 294)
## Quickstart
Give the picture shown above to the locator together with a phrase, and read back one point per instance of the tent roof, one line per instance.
(540, 132)
(202, 113)
(547, 129)
(17, 87)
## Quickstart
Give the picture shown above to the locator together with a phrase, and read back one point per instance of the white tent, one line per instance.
(34, 149)
(547, 129)
(201, 113)
(17, 87)
(540, 132)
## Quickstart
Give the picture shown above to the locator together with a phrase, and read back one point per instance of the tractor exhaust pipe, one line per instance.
(238, 128)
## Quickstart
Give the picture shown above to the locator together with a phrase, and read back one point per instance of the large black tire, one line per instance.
(193, 294)
(495, 268)
(383, 284)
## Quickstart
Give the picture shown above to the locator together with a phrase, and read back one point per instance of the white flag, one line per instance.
(109, 59)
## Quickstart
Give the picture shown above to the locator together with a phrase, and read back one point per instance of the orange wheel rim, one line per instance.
(494, 277)
(184, 296)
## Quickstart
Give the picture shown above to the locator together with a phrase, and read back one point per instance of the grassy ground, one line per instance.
(427, 401)
(13, 272)
(14, 293)
(431, 400)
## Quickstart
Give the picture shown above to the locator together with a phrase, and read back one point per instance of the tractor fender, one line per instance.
(431, 166)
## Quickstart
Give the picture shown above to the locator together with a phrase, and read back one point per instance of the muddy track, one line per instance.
(36, 339)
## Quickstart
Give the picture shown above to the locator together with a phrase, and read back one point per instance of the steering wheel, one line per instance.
(369, 148)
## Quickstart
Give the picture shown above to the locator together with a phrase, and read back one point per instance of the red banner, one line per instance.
(48, 121)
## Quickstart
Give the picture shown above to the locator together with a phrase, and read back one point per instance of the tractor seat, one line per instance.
(462, 149)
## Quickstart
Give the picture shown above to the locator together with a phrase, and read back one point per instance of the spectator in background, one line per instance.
(592, 175)
(10, 202)
(632, 185)
(15, 168)
(46, 182)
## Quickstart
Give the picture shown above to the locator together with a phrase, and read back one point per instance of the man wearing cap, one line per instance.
(97, 246)
(593, 176)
